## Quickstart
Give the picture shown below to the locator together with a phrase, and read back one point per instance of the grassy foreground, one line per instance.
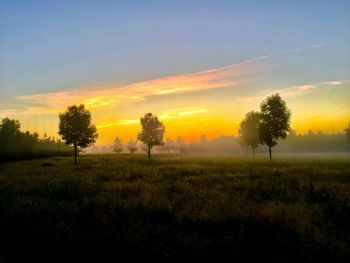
(175, 207)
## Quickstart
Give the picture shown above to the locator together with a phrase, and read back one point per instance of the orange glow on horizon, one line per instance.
(179, 103)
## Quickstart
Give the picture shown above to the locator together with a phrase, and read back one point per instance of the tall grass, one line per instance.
(202, 208)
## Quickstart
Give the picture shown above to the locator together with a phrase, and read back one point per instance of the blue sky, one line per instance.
(55, 46)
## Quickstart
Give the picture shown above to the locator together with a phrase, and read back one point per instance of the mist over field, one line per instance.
(311, 143)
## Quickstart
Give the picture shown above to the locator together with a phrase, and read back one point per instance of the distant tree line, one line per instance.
(315, 142)
(16, 145)
(268, 127)
(347, 132)
(310, 142)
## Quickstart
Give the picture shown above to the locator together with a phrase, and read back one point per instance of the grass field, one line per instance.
(175, 207)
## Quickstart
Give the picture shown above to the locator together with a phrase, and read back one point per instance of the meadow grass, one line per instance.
(174, 206)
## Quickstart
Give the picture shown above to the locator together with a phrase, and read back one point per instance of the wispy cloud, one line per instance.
(316, 45)
(293, 91)
(177, 113)
(332, 83)
(180, 112)
(120, 122)
(298, 90)
(307, 88)
(106, 95)
(8, 112)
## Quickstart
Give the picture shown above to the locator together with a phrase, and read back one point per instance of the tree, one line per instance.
(10, 136)
(15, 144)
(275, 120)
(180, 145)
(168, 145)
(347, 132)
(132, 146)
(243, 144)
(249, 130)
(76, 129)
(152, 132)
(118, 146)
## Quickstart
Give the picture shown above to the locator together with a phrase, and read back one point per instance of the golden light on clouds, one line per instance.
(107, 95)
(117, 110)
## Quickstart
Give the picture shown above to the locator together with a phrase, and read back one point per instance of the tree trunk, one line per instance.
(149, 153)
(254, 153)
(75, 153)
(270, 153)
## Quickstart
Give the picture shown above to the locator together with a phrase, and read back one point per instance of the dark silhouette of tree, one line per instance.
(76, 129)
(15, 144)
(132, 146)
(10, 136)
(249, 130)
(152, 132)
(347, 132)
(275, 119)
(118, 146)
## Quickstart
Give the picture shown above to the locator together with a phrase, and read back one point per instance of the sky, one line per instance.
(198, 65)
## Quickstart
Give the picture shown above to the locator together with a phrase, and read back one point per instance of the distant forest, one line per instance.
(17, 145)
(295, 143)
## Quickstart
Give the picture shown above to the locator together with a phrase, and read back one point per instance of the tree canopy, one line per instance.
(118, 146)
(76, 129)
(249, 130)
(275, 120)
(152, 131)
(16, 144)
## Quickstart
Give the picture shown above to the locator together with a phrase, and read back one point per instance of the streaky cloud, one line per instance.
(107, 95)
(297, 90)
(164, 115)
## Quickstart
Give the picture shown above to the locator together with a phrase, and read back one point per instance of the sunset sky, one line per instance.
(198, 65)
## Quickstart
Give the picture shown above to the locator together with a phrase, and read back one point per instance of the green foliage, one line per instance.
(249, 130)
(275, 119)
(17, 145)
(266, 127)
(202, 208)
(152, 131)
(76, 129)
(75, 126)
